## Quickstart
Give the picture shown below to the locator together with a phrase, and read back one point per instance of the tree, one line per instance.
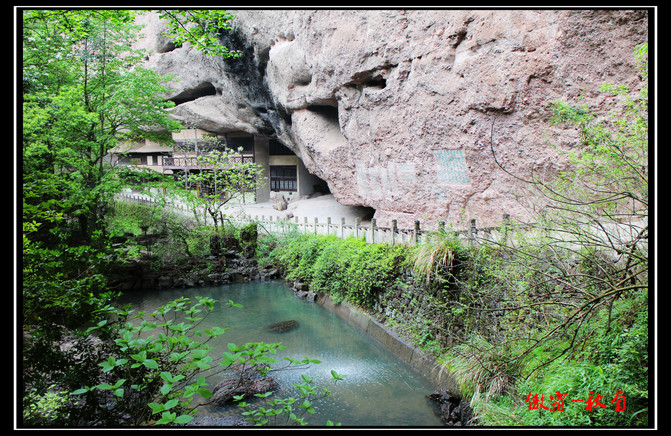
(102, 95)
(200, 28)
(225, 175)
(83, 91)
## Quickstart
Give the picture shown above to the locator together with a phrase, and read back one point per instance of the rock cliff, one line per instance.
(399, 110)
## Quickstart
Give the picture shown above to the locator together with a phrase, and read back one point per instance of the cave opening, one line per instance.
(365, 212)
(377, 83)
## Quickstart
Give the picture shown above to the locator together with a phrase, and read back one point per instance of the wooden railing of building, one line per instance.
(187, 163)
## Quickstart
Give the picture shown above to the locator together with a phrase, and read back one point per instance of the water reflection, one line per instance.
(378, 390)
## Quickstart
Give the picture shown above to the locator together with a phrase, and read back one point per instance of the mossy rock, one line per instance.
(282, 326)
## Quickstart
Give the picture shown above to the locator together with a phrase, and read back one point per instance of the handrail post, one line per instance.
(472, 230)
(506, 227)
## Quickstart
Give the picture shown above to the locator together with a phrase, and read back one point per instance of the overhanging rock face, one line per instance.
(400, 110)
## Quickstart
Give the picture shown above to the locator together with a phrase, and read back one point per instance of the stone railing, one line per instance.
(611, 236)
(338, 227)
(374, 233)
(192, 162)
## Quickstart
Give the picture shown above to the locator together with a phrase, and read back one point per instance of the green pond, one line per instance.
(379, 390)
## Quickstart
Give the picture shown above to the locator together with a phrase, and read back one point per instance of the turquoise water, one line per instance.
(379, 390)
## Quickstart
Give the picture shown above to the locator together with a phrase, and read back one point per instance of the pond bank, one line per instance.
(454, 410)
(231, 265)
(416, 358)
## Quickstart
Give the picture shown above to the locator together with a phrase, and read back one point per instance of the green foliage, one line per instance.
(200, 28)
(46, 409)
(83, 91)
(125, 217)
(161, 360)
(156, 367)
(373, 271)
(330, 270)
(226, 178)
(433, 260)
(176, 241)
(608, 177)
(537, 320)
(603, 362)
(347, 269)
(291, 410)
(62, 284)
(155, 364)
(248, 235)
(579, 380)
(564, 308)
(296, 255)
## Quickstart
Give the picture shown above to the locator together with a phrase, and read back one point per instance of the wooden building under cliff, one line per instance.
(283, 169)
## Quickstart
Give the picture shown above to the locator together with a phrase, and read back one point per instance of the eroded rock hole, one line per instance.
(376, 83)
(319, 186)
(327, 113)
(372, 80)
(327, 117)
(201, 90)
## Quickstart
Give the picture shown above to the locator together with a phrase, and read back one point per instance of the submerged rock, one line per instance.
(282, 326)
(225, 391)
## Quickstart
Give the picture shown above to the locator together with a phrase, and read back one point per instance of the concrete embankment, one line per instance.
(416, 358)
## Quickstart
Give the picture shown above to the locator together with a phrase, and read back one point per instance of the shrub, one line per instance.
(46, 409)
(346, 269)
(311, 248)
(330, 267)
(373, 271)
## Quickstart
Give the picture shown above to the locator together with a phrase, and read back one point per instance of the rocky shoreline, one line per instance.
(230, 261)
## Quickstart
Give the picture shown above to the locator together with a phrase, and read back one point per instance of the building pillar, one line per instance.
(261, 157)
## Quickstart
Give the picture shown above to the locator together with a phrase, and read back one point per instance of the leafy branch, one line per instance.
(201, 29)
